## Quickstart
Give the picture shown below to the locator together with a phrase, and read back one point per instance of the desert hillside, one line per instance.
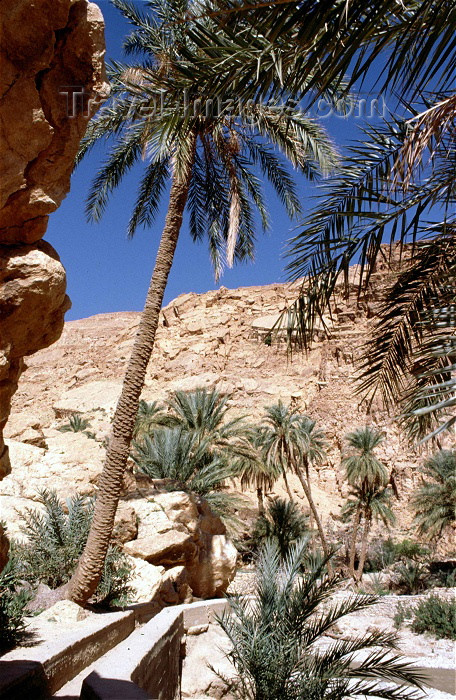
(218, 339)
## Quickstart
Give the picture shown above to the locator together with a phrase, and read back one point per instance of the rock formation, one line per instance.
(52, 80)
(179, 535)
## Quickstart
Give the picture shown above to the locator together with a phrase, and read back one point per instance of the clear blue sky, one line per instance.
(106, 272)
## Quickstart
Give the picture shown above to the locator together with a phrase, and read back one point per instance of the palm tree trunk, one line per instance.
(260, 501)
(306, 468)
(287, 486)
(87, 575)
(354, 535)
(313, 510)
(362, 556)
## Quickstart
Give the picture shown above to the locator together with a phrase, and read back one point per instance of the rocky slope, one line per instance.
(215, 339)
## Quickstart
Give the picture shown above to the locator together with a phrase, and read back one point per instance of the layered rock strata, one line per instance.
(51, 81)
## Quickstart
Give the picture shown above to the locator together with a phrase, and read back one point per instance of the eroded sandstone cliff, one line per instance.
(51, 81)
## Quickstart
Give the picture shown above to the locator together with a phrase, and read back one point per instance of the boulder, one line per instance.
(89, 397)
(64, 611)
(211, 574)
(179, 507)
(168, 549)
(174, 587)
(46, 598)
(73, 456)
(179, 529)
(146, 580)
(125, 524)
(26, 428)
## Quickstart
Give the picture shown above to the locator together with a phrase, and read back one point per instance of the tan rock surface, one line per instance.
(125, 524)
(146, 580)
(83, 371)
(216, 566)
(168, 549)
(176, 529)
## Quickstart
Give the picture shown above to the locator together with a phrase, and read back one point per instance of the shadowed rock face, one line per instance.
(48, 47)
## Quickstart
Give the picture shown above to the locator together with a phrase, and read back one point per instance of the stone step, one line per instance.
(58, 657)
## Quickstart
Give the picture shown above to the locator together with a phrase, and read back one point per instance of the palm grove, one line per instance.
(397, 184)
(209, 157)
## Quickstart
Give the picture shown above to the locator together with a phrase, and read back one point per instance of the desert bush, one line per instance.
(76, 424)
(412, 577)
(410, 549)
(380, 555)
(436, 616)
(55, 540)
(13, 602)
(384, 553)
(403, 613)
(187, 463)
(283, 522)
(274, 632)
(443, 578)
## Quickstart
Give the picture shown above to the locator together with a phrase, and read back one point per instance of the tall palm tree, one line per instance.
(434, 502)
(368, 503)
(314, 450)
(363, 466)
(256, 471)
(286, 439)
(368, 477)
(207, 154)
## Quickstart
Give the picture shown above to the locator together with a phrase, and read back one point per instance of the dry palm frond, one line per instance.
(426, 132)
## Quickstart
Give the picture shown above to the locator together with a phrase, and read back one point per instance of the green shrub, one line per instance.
(436, 616)
(282, 522)
(403, 613)
(443, 573)
(274, 637)
(13, 601)
(76, 424)
(410, 549)
(189, 463)
(113, 590)
(413, 577)
(381, 554)
(384, 553)
(444, 579)
(55, 540)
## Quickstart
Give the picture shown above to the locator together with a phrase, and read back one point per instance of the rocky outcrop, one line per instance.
(52, 80)
(179, 534)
